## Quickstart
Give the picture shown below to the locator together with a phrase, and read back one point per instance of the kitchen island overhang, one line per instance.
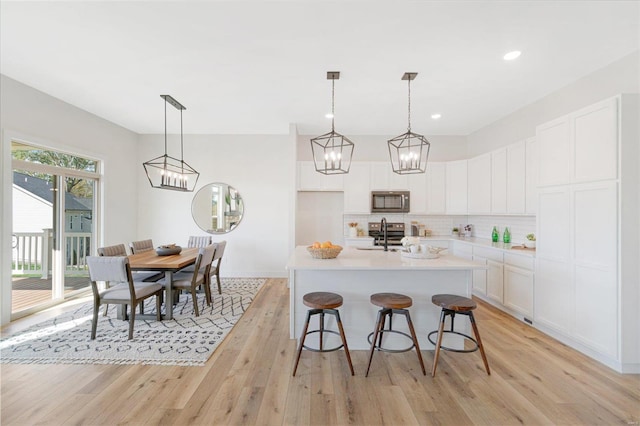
(357, 274)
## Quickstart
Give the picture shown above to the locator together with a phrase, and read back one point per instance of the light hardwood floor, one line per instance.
(534, 381)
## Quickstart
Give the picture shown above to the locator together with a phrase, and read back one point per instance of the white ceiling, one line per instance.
(253, 67)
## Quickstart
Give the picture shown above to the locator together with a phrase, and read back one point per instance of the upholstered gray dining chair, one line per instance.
(218, 256)
(200, 276)
(199, 241)
(140, 246)
(115, 269)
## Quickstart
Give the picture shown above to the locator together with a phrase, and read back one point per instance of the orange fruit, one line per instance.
(316, 244)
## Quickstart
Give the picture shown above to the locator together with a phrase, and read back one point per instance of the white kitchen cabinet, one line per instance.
(357, 192)
(463, 250)
(456, 187)
(310, 180)
(499, 181)
(436, 184)
(495, 281)
(595, 264)
(552, 140)
(479, 184)
(480, 277)
(531, 177)
(383, 178)
(418, 189)
(518, 289)
(595, 142)
(516, 178)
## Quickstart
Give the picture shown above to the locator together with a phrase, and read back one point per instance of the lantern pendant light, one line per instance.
(332, 151)
(166, 172)
(409, 152)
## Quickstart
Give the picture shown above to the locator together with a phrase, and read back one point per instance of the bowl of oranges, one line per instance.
(325, 250)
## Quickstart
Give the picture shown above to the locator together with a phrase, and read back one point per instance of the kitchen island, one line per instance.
(356, 274)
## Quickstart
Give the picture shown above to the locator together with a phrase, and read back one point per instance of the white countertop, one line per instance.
(353, 259)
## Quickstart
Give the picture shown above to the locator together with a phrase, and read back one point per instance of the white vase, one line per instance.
(530, 244)
(353, 232)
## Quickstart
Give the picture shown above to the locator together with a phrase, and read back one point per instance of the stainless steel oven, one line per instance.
(395, 233)
(390, 202)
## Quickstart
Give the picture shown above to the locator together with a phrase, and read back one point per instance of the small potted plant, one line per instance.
(530, 242)
(455, 231)
(353, 229)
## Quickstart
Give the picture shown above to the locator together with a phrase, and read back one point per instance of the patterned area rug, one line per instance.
(185, 340)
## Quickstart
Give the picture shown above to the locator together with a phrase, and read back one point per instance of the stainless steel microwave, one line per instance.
(390, 202)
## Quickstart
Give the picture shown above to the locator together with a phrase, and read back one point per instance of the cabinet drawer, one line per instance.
(519, 261)
(488, 253)
(462, 248)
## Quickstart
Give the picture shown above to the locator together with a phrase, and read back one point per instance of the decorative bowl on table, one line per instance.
(168, 250)
(324, 253)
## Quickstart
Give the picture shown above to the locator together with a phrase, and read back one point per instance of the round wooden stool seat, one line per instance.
(391, 300)
(322, 300)
(453, 302)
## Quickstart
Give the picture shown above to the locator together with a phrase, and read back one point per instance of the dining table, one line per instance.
(151, 261)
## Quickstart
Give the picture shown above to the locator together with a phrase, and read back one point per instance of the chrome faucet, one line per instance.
(383, 228)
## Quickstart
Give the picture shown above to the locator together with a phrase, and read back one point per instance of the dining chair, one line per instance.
(200, 276)
(140, 246)
(199, 241)
(218, 256)
(116, 269)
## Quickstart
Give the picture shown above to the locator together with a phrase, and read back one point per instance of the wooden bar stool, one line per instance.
(452, 305)
(392, 303)
(322, 303)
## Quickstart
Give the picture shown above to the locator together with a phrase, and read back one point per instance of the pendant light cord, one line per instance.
(333, 87)
(409, 107)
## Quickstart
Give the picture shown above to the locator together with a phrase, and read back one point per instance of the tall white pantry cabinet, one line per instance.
(587, 289)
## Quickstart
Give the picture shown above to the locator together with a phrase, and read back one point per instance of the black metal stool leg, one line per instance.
(321, 328)
(304, 335)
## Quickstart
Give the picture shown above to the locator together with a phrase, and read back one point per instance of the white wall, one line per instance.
(260, 167)
(619, 77)
(375, 147)
(33, 116)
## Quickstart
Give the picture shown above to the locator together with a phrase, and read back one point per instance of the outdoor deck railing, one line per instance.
(31, 253)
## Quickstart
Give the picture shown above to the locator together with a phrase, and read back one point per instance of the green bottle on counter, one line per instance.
(506, 237)
(494, 235)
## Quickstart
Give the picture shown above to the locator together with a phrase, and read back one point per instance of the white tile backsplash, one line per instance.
(519, 226)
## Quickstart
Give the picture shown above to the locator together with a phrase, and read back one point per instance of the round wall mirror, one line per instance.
(217, 208)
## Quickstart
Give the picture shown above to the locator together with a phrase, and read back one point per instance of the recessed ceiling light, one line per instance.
(436, 116)
(328, 115)
(512, 55)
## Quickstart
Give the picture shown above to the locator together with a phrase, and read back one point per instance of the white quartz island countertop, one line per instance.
(351, 258)
(357, 274)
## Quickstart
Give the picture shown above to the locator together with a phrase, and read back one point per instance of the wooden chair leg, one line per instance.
(477, 334)
(207, 290)
(158, 306)
(94, 322)
(415, 342)
(302, 337)
(218, 279)
(195, 301)
(344, 341)
(132, 320)
(106, 308)
(438, 344)
(379, 325)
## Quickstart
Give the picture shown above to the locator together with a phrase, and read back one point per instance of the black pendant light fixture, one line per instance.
(166, 172)
(332, 152)
(409, 152)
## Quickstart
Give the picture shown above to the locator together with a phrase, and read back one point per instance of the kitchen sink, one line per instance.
(377, 248)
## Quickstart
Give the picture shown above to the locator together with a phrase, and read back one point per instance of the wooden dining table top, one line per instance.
(150, 261)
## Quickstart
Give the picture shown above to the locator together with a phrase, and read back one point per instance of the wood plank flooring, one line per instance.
(534, 381)
(31, 291)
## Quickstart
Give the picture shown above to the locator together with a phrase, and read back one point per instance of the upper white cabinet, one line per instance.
(418, 189)
(516, 178)
(595, 142)
(357, 197)
(479, 184)
(456, 187)
(499, 181)
(383, 178)
(436, 188)
(310, 180)
(531, 177)
(552, 140)
(579, 147)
